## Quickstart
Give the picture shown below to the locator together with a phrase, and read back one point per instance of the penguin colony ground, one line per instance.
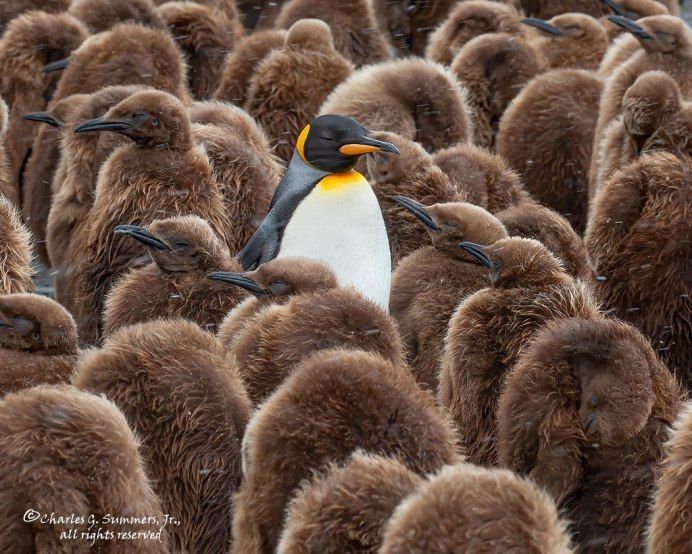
(345, 276)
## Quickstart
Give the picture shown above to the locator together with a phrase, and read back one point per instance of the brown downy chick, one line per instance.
(161, 173)
(491, 327)
(205, 35)
(414, 98)
(412, 174)
(259, 14)
(586, 412)
(38, 342)
(291, 84)
(468, 20)
(545, 9)
(334, 403)
(494, 68)
(484, 177)
(245, 167)
(428, 284)
(632, 9)
(466, 508)
(275, 340)
(183, 250)
(16, 265)
(569, 41)
(546, 135)
(101, 15)
(170, 379)
(356, 35)
(240, 64)
(346, 508)
(640, 243)
(30, 42)
(12, 9)
(68, 455)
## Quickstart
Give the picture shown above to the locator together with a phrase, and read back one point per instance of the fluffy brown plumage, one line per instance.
(356, 34)
(259, 14)
(347, 508)
(7, 188)
(178, 393)
(493, 68)
(547, 134)
(38, 342)
(632, 9)
(11, 9)
(414, 98)
(334, 403)
(65, 452)
(101, 15)
(428, 284)
(468, 20)
(546, 9)
(491, 327)
(639, 244)
(15, 251)
(290, 84)
(466, 508)
(585, 412)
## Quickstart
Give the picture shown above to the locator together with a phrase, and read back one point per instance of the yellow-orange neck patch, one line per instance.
(300, 143)
(338, 182)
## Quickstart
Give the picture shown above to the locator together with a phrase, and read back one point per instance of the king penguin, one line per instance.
(324, 210)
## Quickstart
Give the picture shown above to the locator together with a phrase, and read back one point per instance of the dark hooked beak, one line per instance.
(476, 250)
(238, 279)
(365, 144)
(19, 325)
(102, 124)
(417, 209)
(55, 66)
(629, 25)
(41, 117)
(617, 8)
(542, 25)
(140, 234)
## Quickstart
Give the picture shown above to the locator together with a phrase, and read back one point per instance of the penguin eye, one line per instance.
(593, 402)
(36, 335)
(328, 139)
(155, 122)
(449, 225)
(181, 244)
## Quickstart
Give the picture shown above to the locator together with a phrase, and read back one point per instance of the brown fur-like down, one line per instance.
(245, 168)
(259, 14)
(38, 342)
(346, 509)
(547, 134)
(16, 268)
(484, 177)
(160, 174)
(428, 284)
(68, 454)
(585, 412)
(468, 20)
(334, 403)
(356, 35)
(205, 35)
(101, 15)
(289, 85)
(411, 174)
(241, 63)
(31, 41)
(7, 189)
(11, 9)
(414, 98)
(171, 381)
(640, 245)
(545, 9)
(175, 283)
(494, 68)
(466, 508)
(490, 328)
(669, 531)
(633, 9)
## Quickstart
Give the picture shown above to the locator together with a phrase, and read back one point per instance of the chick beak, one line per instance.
(476, 250)
(417, 209)
(140, 234)
(542, 25)
(41, 117)
(631, 26)
(238, 279)
(365, 144)
(102, 124)
(589, 422)
(58, 65)
(19, 325)
(617, 8)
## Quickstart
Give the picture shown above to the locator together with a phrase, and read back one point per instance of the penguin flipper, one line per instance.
(262, 247)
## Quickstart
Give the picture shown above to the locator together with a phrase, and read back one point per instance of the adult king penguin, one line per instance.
(324, 210)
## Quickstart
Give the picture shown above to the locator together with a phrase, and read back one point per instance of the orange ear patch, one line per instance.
(300, 143)
(355, 149)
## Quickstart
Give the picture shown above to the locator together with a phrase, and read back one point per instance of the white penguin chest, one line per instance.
(340, 223)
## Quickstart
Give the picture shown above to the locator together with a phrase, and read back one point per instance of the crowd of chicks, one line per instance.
(526, 391)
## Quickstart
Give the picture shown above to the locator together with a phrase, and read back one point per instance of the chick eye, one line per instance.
(593, 402)
(181, 244)
(35, 335)
(155, 122)
(449, 225)
(278, 287)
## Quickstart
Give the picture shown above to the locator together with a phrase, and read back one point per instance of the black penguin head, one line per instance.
(332, 143)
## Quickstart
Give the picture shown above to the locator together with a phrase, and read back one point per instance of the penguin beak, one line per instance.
(41, 117)
(102, 124)
(589, 421)
(629, 25)
(20, 325)
(542, 25)
(237, 279)
(363, 145)
(417, 209)
(140, 234)
(55, 66)
(476, 250)
(617, 8)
